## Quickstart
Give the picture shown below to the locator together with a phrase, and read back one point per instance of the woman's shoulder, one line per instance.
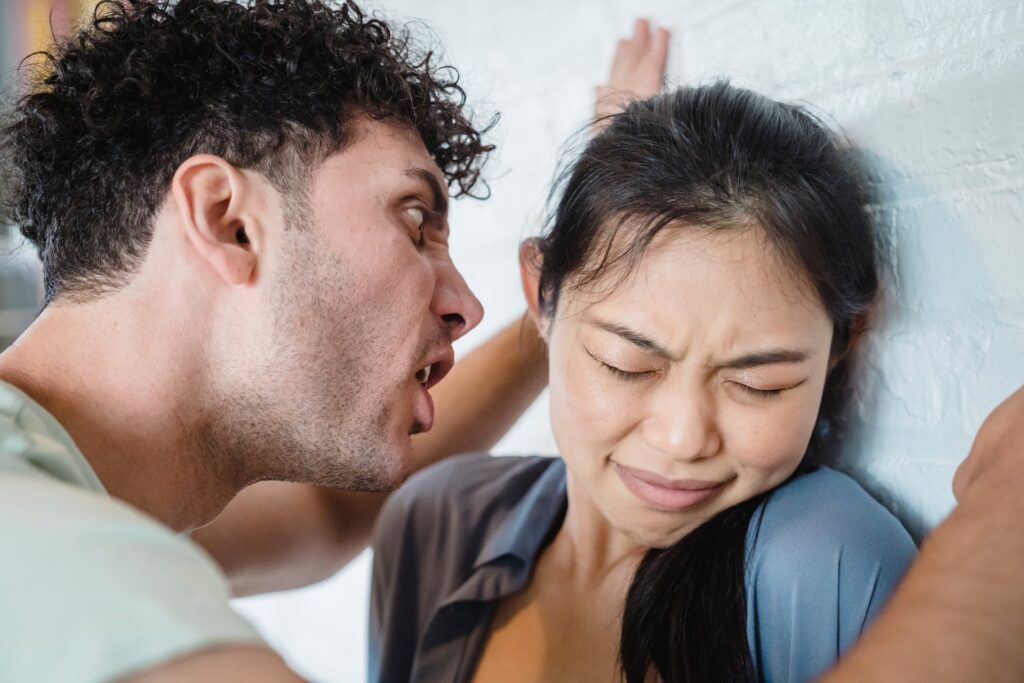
(462, 496)
(824, 506)
(824, 510)
(471, 480)
(823, 557)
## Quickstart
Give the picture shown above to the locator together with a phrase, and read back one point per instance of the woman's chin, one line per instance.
(656, 534)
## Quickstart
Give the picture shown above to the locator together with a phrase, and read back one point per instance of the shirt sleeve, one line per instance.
(823, 558)
(93, 590)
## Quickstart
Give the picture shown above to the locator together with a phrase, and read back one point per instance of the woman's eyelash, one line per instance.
(635, 376)
(618, 372)
(622, 374)
(760, 393)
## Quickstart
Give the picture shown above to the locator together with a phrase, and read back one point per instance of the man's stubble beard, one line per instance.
(313, 409)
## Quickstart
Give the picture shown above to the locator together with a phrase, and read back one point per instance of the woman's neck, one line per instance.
(587, 550)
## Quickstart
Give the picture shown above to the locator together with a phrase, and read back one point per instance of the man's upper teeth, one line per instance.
(423, 375)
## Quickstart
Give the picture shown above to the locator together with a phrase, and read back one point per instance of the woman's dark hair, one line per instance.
(715, 157)
(271, 85)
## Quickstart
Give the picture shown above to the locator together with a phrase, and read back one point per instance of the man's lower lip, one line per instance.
(425, 421)
(664, 498)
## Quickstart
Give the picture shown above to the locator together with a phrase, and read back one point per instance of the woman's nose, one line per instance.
(682, 428)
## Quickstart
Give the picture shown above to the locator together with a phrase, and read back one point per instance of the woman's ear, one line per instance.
(530, 261)
(213, 201)
(859, 326)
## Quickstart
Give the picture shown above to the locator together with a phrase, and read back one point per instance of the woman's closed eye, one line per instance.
(763, 393)
(760, 393)
(619, 373)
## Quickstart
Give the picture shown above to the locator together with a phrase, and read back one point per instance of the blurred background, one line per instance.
(931, 92)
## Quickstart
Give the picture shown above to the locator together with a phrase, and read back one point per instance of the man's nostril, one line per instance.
(454, 321)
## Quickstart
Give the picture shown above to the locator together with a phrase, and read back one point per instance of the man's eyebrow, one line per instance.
(768, 357)
(635, 338)
(439, 195)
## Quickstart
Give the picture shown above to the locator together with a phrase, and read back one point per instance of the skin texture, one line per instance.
(367, 268)
(685, 412)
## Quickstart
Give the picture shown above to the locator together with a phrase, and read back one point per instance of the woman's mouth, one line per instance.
(667, 494)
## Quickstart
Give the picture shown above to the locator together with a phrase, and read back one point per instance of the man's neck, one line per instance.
(125, 390)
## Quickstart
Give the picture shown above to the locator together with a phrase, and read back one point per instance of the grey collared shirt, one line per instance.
(460, 536)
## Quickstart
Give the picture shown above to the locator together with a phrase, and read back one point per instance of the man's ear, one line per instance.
(214, 203)
(530, 261)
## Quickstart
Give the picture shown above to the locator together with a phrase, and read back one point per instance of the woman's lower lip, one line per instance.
(662, 497)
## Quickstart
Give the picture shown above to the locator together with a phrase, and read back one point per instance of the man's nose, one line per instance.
(455, 304)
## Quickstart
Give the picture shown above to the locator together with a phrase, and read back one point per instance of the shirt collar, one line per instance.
(47, 446)
(529, 522)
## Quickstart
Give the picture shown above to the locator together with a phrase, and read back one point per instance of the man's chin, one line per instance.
(397, 465)
(383, 471)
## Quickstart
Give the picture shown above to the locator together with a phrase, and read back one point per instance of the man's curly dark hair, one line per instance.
(271, 85)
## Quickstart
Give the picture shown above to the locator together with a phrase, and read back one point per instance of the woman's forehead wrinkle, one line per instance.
(730, 298)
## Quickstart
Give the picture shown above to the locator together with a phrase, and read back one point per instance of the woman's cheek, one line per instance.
(587, 407)
(603, 404)
(770, 440)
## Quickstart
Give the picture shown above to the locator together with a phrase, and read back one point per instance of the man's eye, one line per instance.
(419, 217)
(418, 213)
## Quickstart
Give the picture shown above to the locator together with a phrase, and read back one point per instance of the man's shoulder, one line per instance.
(82, 568)
(38, 503)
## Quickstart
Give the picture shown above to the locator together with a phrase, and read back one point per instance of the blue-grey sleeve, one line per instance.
(822, 559)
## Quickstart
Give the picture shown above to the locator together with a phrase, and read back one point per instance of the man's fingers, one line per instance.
(651, 71)
(659, 46)
(641, 34)
(619, 63)
(640, 60)
(631, 51)
(638, 69)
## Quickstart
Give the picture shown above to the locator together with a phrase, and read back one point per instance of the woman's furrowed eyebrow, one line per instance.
(747, 360)
(634, 337)
(758, 358)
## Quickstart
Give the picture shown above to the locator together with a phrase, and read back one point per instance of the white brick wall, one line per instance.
(931, 90)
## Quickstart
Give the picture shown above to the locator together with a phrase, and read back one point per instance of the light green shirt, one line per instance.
(92, 589)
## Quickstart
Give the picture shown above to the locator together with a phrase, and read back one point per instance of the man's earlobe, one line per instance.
(211, 197)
